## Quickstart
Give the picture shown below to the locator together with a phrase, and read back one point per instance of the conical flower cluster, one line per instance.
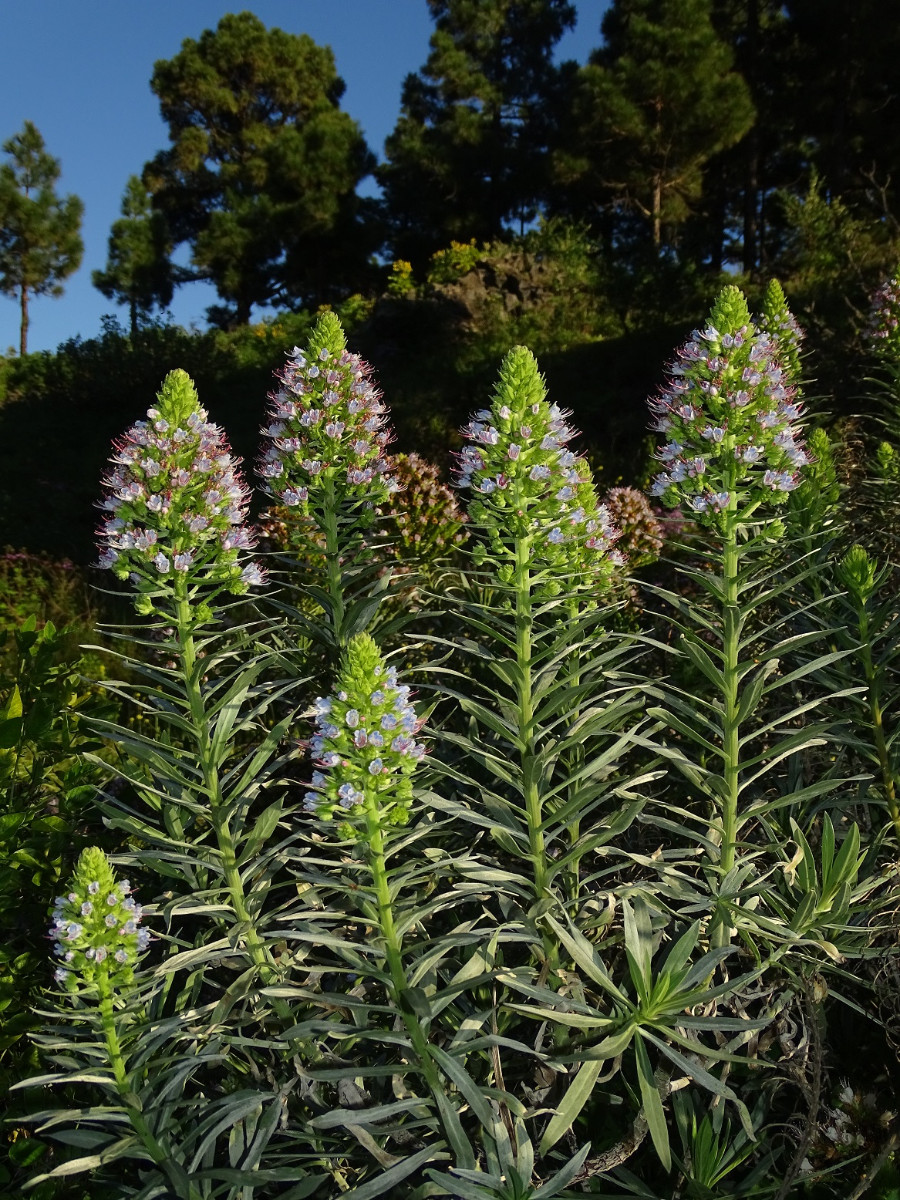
(327, 428)
(364, 746)
(730, 419)
(96, 926)
(777, 320)
(883, 326)
(176, 502)
(526, 483)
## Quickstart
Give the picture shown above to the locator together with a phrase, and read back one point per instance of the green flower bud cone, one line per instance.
(328, 334)
(729, 313)
(858, 573)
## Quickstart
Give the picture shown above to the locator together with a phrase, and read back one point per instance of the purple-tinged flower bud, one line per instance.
(103, 937)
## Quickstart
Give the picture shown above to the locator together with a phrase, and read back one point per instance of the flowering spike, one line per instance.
(364, 742)
(176, 502)
(882, 330)
(327, 429)
(96, 926)
(777, 320)
(730, 418)
(527, 484)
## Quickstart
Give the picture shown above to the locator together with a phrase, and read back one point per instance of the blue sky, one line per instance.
(81, 72)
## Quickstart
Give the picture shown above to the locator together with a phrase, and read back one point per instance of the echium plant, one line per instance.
(546, 544)
(323, 457)
(734, 450)
(178, 533)
(882, 330)
(98, 942)
(177, 506)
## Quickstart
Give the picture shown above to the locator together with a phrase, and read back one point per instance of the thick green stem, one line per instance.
(731, 632)
(191, 670)
(573, 762)
(530, 782)
(333, 575)
(173, 1171)
(393, 945)
(888, 781)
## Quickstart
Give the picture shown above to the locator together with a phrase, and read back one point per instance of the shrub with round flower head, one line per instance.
(176, 503)
(96, 926)
(526, 484)
(327, 429)
(641, 536)
(731, 420)
(364, 748)
(882, 330)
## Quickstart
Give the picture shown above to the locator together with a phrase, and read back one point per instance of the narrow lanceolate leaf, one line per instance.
(577, 1095)
(653, 1107)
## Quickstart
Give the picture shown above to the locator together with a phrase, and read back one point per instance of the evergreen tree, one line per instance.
(138, 270)
(260, 179)
(40, 232)
(469, 151)
(652, 107)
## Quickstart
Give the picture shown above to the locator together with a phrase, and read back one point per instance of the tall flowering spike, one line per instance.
(364, 745)
(882, 330)
(729, 417)
(777, 320)
(96, 926)
(176, 502)
(327, 427)
(527, 484)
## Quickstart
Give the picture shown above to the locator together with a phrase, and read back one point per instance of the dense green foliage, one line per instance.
(40, 232)
(138, 270)
(261, 175)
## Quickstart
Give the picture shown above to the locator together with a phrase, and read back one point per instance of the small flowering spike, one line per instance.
(96, 926)
(327, 428)
(730, 419)
(527, 484)
(777, 320)
(176, 502)
(882, 331)
(364, 745)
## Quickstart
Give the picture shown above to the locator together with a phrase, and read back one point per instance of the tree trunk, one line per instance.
(657, 212)
(23, 327)
(132, 308)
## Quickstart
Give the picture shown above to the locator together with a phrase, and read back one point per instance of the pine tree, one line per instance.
(260, 179)
(469, 151)
(138, 270)
(652, 107)
(40, 232)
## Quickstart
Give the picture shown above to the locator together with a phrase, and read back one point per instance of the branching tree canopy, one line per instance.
(138, 270)
(653, 105)
(261, 176)
(40, 232)
(469, 150)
